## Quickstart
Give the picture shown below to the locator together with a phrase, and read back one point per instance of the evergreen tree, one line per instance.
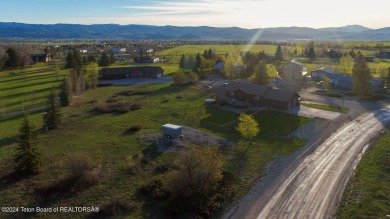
(52, 117)
(261, 76)
(74, 60)
(210, 54)
(27, 157)
(65, 93)
(361, 77)
(198, 63)
(311, 54)
(182, 61)
(205, 54)
(104, 60)
(112, 59)
(14, 58)
(279, 54)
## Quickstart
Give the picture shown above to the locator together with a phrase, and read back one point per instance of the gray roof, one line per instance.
(253, 89)
(280, 94)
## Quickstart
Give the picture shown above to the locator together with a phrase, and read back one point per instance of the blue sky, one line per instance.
(218, 13)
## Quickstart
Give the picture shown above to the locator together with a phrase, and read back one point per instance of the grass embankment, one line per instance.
(368, 192)
(105, 139)
(326, 107)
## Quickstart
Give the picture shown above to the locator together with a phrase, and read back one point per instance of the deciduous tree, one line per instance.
(91, 75)
(27, 158)
(248, 127)
(346, 65)
(261, 75)
(361, 77)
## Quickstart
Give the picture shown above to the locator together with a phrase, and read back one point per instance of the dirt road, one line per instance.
(313, 185)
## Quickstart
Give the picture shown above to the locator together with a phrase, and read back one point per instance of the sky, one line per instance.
(217, 13)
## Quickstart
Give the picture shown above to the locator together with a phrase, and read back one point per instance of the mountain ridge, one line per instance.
(14, 30)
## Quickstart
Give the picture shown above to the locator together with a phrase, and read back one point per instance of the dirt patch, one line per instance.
(133, 93)
(190, 136)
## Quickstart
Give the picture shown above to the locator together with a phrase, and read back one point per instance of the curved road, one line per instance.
(315, 184)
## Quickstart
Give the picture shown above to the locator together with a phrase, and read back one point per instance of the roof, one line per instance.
(280, 94)
(171, 126)
(248, 88)
(323, 69)
(339, 77)
(125, 70)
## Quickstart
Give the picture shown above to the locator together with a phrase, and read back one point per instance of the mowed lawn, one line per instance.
(104, 138)
(368, 192)
(27, 88)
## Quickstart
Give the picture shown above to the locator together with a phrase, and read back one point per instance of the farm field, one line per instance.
(103, 138)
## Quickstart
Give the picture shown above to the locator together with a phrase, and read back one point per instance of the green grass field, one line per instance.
(175, 53)
(103, 138)
(368, 192)
(27, 88)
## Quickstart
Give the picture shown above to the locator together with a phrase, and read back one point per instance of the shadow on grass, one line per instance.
(10, 179)
(8, 141)
(151, 151)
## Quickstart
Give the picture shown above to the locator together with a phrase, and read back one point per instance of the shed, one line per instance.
(172, 131)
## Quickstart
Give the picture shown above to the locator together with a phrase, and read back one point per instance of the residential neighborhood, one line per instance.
(194, 109)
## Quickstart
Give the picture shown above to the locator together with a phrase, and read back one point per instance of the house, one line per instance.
(281, 99)
(293, 69)
(243, 94)
(293, 73)
(383, 55)
(343, 81)
(319, 73)
(146, 60)
(40, 58)
(131, 72)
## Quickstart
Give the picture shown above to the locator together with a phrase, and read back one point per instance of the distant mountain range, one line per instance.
(149, 32)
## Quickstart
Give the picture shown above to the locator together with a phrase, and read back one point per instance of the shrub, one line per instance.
(118, 107)
(81, 173)
(179, 78)
(154, 188)
(114, 207)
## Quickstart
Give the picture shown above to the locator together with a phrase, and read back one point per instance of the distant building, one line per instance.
(383, 55)
(131, 72)
(146, 60)
(342, 81)
(119, 50)
(40, 58)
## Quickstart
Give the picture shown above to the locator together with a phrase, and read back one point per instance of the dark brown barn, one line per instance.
(131, 72)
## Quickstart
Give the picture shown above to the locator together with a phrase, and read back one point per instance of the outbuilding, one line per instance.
(172, 131)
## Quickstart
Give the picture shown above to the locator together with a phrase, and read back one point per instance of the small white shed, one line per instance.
(172, 131)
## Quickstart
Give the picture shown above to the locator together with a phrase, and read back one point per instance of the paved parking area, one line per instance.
(311, 113)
